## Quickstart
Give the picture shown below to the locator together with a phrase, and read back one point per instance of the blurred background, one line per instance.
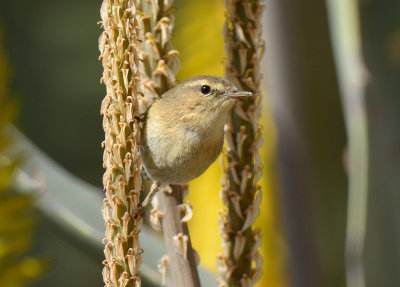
(331, 126)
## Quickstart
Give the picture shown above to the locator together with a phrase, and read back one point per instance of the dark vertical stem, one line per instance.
(380, 44)
(304, 93)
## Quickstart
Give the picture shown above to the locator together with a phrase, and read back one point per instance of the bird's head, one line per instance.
(205, 93)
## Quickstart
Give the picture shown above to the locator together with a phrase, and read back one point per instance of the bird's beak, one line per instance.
(239, 94)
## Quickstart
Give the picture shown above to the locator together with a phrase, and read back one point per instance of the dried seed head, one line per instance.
(240, 192)
(187, 210)
(121, 179)
(158, 60)
(155, 218)
(162, 268)
(181, 243)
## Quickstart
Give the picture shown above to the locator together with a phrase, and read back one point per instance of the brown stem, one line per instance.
(184, 270)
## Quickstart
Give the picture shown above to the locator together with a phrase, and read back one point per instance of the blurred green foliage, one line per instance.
(16, 220)
(54, 54)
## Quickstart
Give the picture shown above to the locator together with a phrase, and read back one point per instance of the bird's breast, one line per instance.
(180, 152)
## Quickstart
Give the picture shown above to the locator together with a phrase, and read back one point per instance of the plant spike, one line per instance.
(122, 182)
(159, 62)
(240, 265)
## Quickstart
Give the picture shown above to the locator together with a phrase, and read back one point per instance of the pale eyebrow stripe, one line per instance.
(196, 83)
(203, 82)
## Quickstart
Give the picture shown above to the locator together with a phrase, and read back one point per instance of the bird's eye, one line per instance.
(205, 89)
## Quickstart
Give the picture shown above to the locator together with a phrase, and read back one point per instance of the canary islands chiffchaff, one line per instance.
(183, 132)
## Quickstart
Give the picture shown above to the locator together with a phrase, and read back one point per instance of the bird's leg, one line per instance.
(153, 189)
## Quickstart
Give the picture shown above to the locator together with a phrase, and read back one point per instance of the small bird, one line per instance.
(183, 132)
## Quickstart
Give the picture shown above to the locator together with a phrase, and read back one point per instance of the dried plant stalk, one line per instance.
(241, 263)
(159, 62)
(158, 66)
(122, 182)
